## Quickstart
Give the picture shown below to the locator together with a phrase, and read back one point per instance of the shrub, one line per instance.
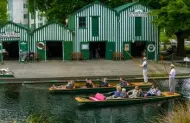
(180, 114)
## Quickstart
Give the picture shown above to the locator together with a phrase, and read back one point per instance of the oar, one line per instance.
(133, 58)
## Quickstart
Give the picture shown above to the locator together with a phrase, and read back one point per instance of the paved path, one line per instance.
(78, 69)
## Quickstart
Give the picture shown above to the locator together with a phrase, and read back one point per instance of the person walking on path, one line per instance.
(172, 79)
(145, 69)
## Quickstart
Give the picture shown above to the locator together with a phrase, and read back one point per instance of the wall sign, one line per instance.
(9, 34)
(138, 13)
(126, 47)
(85, 46)
(151, 48)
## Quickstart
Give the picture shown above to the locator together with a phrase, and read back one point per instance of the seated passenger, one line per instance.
(123, 83)
(58, 87)
(157, 92)
(151, 91)
(116, 93)
(89, 83)
(104, 83)
(140, 93)
(123, 93)
(133, 92)
(70, 84)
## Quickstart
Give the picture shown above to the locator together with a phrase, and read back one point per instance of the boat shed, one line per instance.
(52, 41)
(14, 41)
(136, 33)
(94, 27)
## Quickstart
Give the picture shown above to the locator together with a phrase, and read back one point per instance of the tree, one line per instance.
(58, 10)
(174, 16)
(3, 12)
(164, 38)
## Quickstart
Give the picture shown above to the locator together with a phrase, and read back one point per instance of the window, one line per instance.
(32, 26)
(138, 26)
(32, 16)
(25, 5)
(95, 26)
(82, 22)
(39, 17)
(25, 16)
(40, 24)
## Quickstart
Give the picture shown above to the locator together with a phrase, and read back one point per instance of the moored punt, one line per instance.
(126, 101)
(98, 89)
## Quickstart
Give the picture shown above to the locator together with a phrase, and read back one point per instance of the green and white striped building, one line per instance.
(16, 34)
(135, 26)
(94, 23)
(126, 27)
(52, 32)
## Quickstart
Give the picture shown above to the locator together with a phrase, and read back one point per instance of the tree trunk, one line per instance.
(180, 45)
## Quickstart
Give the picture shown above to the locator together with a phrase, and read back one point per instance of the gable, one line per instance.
(12, 31)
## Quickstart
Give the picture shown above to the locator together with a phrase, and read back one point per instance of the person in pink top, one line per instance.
(172, 79)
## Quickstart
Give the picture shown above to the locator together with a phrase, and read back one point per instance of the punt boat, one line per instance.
(79, 88)
(126, 101)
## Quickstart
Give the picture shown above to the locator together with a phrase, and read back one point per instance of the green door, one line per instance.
(85, 50)
(150, 50)
(1, 53)
(127, 50)
(68, 49)
(110, 48)
(41, 49)
(23, 45)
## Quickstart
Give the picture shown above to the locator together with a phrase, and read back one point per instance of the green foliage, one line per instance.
(163, 37)
(3, 12)
(174, 16)
(58, 10)
(180, 114)
(38, 118)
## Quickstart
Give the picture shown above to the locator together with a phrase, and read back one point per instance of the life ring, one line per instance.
(40, 45)
(151, 48)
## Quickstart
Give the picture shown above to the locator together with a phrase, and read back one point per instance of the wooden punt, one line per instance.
(126, 101)
(98, 89)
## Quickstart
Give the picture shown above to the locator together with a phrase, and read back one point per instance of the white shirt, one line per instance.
(172, 73)
(145, 65)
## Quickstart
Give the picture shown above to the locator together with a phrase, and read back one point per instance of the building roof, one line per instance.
(53, 22)
(125, 6)
(15, 24)
(95, 2)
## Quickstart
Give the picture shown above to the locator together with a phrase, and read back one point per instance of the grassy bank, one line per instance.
(180, 114)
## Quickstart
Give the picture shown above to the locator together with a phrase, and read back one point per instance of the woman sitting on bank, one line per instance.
(89, 83)
(133, 93)
(123, 83)
(104, 83)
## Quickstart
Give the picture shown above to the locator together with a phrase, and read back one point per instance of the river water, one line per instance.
(18, 101)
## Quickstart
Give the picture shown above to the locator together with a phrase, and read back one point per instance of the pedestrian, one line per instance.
(145, 69)
(172, 79)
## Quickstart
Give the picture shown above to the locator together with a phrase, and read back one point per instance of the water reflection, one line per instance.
(19, 101)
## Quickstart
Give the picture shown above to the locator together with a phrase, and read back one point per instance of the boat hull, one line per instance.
(127, 101)
(97, 89)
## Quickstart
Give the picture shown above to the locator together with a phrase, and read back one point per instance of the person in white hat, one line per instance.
(145, 69)
(172, 79)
